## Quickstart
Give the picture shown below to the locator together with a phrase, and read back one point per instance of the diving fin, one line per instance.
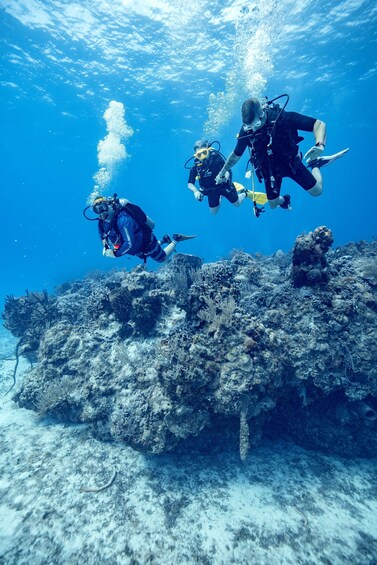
(258, 197)
(239, 187)
(180, 237)
(326, 160)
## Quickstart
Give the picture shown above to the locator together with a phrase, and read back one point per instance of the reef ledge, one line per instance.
(211, 357)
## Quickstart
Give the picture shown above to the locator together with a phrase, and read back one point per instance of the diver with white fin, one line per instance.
(271, 134)
(125, 229)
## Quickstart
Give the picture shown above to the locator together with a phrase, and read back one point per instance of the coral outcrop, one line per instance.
(309, 264)
(215, 356)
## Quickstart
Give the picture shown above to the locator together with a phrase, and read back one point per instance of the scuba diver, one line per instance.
(271, 135)
(207, 164)
(125, 229)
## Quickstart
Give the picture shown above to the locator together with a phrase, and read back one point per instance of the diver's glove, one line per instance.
(198, 195)
(222, 177)
(314, 152)
(108, 253)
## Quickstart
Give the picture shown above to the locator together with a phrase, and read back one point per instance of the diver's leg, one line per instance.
(310, 181)
(214, 200)
(156, 252)
(240, 199)
(316, 190)
(276, 202)
(169, 249)
(273, 193)
(231, 194)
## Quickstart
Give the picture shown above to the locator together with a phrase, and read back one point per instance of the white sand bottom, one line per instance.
(284, 505)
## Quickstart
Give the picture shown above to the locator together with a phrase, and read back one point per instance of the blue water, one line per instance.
(62, 63)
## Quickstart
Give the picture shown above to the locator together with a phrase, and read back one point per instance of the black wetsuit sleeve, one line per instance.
(299, 121)
(241, 145)
(192, 175)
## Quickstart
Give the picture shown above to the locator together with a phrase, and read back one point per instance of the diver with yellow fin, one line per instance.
(125, 229)
(207, 164)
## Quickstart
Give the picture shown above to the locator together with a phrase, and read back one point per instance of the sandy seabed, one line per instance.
(284, 505)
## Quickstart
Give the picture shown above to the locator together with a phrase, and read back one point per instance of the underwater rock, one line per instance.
(187, 262)
(145, 312)
(121, 304)
(309, 265)
(219, 355)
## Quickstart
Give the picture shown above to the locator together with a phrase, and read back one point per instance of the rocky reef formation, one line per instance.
(213, 356)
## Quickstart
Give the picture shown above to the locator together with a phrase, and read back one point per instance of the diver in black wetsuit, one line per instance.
(207, 164)
(271, 134)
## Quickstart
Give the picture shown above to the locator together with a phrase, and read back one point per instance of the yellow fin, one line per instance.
(238, 186)
(258, 197)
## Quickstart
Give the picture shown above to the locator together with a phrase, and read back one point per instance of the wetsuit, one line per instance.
(205, 172)
(285, 160)
(131, 238)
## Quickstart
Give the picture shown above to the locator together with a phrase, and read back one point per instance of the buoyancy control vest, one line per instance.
(206, 171)
(273, 144)
(275, 138)
(137, 214)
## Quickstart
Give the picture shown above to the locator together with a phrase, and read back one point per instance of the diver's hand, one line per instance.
(198, 195)
(108, 253)
(314, 152)
(222, 177)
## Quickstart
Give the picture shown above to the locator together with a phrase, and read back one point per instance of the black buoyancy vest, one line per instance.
(206, 172)
(283, 138)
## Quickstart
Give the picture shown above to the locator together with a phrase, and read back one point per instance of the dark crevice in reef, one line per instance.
(212, 357)
(330, 423)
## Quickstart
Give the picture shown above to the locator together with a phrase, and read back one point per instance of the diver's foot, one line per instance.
(243, 190)
(286, 205)
(165, 239)
(180, 237)
(323, 161)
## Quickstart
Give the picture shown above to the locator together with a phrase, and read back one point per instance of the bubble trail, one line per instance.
(110, 150)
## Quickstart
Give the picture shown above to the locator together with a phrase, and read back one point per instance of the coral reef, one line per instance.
(216, 356)
(27, 317)
(309, 265)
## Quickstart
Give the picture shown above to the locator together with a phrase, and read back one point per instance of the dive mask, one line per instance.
(100, 207)
(256, 123)
(202, 153)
